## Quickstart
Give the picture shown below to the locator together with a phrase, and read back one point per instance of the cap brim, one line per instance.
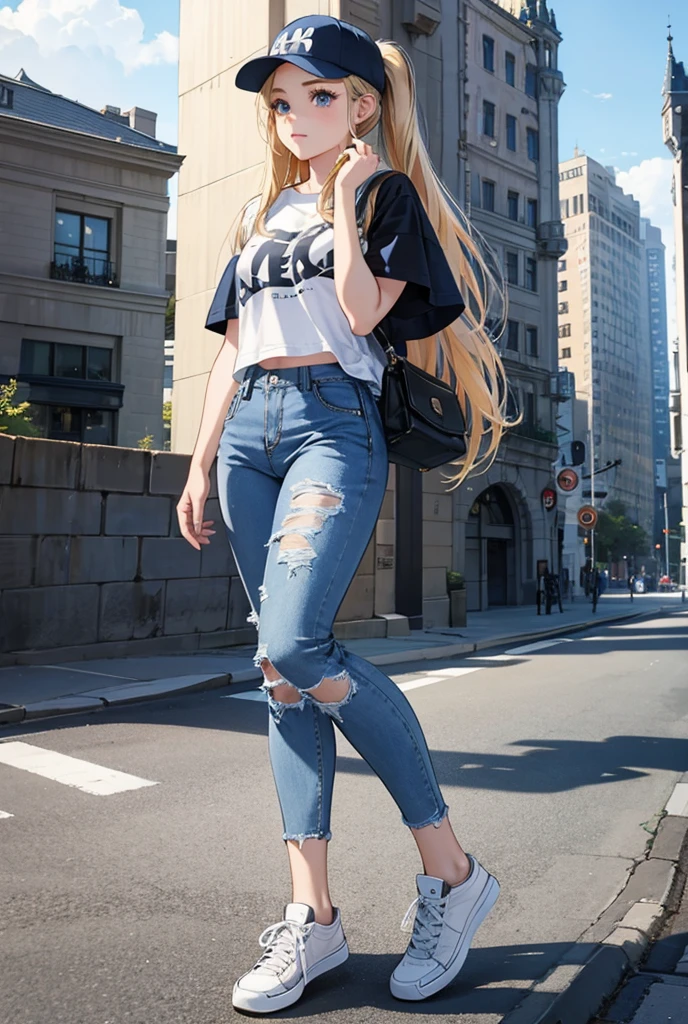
(253, 75)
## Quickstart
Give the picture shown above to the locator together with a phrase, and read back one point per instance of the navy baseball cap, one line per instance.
(323, 46)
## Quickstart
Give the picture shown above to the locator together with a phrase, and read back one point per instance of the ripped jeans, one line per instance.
(302, 470)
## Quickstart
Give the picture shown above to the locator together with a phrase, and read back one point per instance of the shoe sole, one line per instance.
(414, 992)
(258, 1002)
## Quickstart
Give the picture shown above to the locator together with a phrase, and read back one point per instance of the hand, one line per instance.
(361, 164)
(190, 509)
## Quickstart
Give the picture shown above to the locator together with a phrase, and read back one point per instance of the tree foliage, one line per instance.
(616, 535)
(13, 418)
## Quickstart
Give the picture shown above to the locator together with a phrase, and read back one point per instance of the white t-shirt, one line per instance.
(282, 288)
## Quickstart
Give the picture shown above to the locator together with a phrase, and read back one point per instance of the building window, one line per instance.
(563, 208)
(565, 330)
(488, 53)
(512, 205)
(488, 118)
(488, 195)
(566, 353)
(533, 137)
(531, 273)
(512, 332)
(561, 265)
(72, 423)
(53, 359)
(510, 68)
(563, 285)
(532, 341)
(532, 213)
(548, 55)
(511, 260)
(6, 97)
(82, 249)
(511, 132)
(563, 307)
(531, 80)
(529, 408)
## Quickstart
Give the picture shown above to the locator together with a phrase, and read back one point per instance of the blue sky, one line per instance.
(612, 57)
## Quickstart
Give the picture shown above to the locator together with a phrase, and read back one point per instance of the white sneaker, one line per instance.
(446, 920)
(297, 950)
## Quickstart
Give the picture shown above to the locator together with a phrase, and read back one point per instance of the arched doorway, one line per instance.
(490, 551)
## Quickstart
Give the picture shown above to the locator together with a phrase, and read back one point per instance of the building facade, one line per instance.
(494, 528)
(511, 90)
(675, 125)
(655, 263)
(604, 330)
(83, 209)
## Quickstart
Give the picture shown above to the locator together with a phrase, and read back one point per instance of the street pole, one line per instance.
(666, 535)
(592, 469)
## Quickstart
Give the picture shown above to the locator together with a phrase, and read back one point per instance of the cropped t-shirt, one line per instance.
(282, 288)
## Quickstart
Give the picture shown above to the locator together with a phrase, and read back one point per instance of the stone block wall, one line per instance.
(92, 563)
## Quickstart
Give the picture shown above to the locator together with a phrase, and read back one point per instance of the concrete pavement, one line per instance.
(38, 691)
(146, 903)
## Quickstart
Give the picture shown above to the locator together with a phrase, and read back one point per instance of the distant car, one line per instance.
(666, 583)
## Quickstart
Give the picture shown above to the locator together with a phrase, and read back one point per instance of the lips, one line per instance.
(297, 135)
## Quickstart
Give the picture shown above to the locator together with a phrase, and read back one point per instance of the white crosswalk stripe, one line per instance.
(70, 771)
(6, 814)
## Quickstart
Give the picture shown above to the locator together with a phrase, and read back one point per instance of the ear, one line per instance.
(365, 106)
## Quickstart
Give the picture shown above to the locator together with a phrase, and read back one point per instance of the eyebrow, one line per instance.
(311, 81)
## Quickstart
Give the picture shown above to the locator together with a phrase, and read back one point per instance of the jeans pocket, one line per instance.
(233, 406)
(339, 395)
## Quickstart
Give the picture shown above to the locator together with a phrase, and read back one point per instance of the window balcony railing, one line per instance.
(534, 432)
(82, 270)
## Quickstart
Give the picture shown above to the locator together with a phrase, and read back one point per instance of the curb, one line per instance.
(111, 696)
(130, 693)
(592, 970)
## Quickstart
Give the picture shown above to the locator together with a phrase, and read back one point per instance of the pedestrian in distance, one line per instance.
(302, 464)
(631, 584)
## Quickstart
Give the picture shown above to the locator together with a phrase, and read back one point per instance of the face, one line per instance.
(311, 114)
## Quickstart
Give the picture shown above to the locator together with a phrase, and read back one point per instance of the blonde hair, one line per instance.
(467, 357)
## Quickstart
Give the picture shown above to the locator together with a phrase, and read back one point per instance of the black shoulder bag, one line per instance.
(421, 414)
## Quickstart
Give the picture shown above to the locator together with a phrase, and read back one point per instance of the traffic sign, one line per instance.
(567, 480)
(587, 517)
(549, 498)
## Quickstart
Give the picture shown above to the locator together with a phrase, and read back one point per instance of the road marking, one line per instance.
(6, 814)
(429, 680)
(492, 657)
(539, 646)
(248, 695)
(460, 670)
(70, 771)
(678, 801)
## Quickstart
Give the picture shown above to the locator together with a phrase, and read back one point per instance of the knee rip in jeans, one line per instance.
(330, 695)
(312, 503)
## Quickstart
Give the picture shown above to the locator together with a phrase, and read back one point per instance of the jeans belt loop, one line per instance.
(307, 378)
(248, 383)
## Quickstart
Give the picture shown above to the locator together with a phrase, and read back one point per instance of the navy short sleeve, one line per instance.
(402, 245)
(224, 304)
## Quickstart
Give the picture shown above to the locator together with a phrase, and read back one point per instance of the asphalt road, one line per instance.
(142, 906)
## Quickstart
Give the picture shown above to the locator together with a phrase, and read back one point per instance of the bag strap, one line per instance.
(362, 196)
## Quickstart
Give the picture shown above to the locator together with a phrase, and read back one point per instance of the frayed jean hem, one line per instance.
(435, 820)
(301, 837)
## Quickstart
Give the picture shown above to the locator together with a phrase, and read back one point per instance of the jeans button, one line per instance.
(273, 379)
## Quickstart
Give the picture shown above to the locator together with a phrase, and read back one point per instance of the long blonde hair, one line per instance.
(467, 357)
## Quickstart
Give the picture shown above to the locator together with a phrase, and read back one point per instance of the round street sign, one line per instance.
(587, 517)
(567, 479)
(549, 498)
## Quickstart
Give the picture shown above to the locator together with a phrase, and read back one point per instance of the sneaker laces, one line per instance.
(426, 928)
(282, 942)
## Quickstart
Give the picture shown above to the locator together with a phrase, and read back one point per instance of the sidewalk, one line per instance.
(39, 691)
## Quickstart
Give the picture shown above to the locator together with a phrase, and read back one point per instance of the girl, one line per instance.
(302, 464)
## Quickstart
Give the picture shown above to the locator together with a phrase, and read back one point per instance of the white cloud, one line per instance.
(98, 28)
(603, 95)
(650, 183)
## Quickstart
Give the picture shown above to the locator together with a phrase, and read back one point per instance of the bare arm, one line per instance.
(219, 392)
(365, 299)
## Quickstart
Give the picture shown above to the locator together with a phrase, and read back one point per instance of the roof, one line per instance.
(33, 102)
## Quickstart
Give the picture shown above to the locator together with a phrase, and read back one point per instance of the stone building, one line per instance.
(511, 86)
(675, 122)
(604, 328)
(83, 212)
(494, 528)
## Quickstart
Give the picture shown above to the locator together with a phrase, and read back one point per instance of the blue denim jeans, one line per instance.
(302, 470)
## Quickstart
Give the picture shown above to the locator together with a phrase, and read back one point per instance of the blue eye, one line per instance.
(276, 104)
